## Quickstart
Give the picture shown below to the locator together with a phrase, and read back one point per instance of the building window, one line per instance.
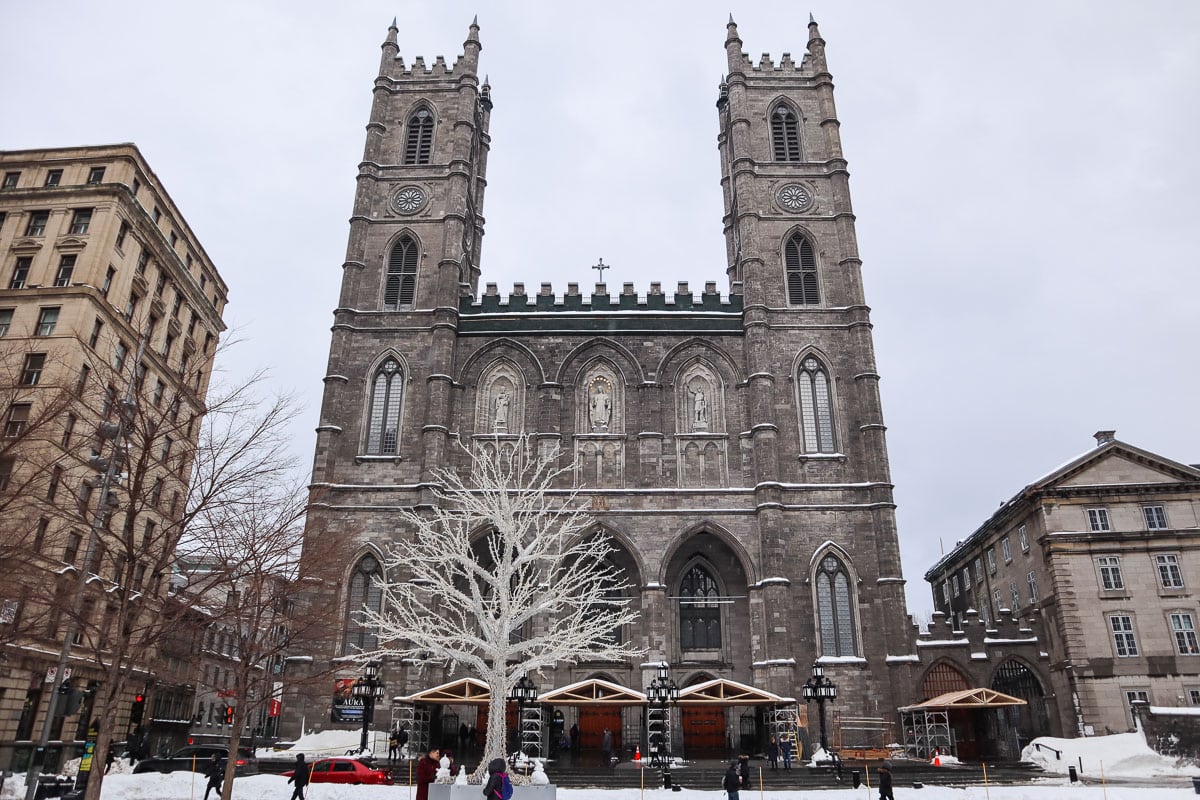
(996, 598)
(68, 430)
(84, 372)
(1124, 639)
(37, 223)
(1023, 537)
(20, 273)
(800, 261)
(31, 375)
(165, 453)
(156, 215)
(108, 281)
(383, 429)
(401, 274)
(7, 464)
(173, 239)
(1098, 519)
(10, 180)
(419, 145)
(1184, 629)
(816, 407)
(159, 389)
(946, 593)
(53, 177)
(954, 586)
(81, 220)
(6, 315)
(71, 550)
(966, 580)
(978, 570)
(1006, 549)
(1033, 594)
(47, 321)
(119, 355)
(1170, 576)
(95, 175)
(1016, 596)
(1110, 573)
(364, 593)
(699, 611)
(835, 608)
(991, 560)
(1193, 695)
(131, 306)
(55, 480)
(17, 419)
(66, 268)
(1156, 518)
(143, 261)
(785, 134)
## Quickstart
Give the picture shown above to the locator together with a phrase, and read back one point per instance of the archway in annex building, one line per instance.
(1022, 723)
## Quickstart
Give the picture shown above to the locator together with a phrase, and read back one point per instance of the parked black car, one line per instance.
(196, 757)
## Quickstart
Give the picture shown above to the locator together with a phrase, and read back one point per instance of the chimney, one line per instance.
(1104, 437)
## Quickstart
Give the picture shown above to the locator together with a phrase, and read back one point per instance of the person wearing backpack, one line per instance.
(498, 786)
(732, 781)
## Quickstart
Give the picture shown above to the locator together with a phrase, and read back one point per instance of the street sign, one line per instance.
(51, 672)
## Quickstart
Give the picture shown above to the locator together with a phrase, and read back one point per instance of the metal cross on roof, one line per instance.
(601, 267)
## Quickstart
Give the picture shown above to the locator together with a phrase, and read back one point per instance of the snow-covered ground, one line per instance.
(1142, 775)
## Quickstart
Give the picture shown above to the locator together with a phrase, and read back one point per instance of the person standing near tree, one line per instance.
(215, 772)
(300, 777)
(427, 769)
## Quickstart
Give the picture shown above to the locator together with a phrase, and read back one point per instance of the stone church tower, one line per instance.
(732, 444)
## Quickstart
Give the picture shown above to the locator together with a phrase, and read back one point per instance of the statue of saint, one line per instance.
(699, 409)
(600, 407)
(500, 420)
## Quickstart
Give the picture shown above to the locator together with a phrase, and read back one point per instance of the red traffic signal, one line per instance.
(228, 715)
(137, 710)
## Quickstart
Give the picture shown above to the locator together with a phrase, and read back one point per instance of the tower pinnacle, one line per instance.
(471, 46)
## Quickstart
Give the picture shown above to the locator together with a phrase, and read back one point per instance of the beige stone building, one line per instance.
(1106, 551)
(110, 312)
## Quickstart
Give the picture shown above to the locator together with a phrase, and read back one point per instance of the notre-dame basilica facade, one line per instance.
(729, 438)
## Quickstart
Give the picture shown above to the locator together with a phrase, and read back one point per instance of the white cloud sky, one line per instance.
(1024, 177)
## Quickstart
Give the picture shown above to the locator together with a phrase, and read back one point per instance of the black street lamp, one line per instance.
(523, 693)
(663, 691)
(821, 689)
(369, 689)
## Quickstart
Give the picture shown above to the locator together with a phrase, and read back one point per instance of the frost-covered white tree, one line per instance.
(502, 576)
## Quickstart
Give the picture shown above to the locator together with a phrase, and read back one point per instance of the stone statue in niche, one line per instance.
(699, 410)
(500, 418)
(600, 406)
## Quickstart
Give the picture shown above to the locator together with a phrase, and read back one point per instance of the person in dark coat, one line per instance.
(773, 753)
(606, 745)
(491, 789)
(885, 781)
(427, 769)
(575, 737)
(732, 780)
(300, 776)
(215, 772)
(786, 747)
(393, 745)
(743, 765)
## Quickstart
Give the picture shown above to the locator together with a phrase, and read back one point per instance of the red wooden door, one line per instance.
(592, 722)
(704, 730)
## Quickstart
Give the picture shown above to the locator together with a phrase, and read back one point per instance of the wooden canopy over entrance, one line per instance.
(592, 691)
(462, 692)
(967, 699)
(724, 692)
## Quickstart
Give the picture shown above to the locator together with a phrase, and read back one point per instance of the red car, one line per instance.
(346, 770)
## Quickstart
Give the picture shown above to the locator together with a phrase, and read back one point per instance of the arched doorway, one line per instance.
(1025, 722)
(944, 678)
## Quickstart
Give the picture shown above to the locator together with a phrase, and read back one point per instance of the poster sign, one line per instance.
(346, 707)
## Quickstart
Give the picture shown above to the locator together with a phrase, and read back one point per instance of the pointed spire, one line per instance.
(471, 47)
(394, 23)
(473, 30)
(733, 45)
(811, 19)
(391, 34)
(731, 22)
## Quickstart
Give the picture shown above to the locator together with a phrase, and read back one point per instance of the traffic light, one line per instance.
(228, 715)
(137, 710)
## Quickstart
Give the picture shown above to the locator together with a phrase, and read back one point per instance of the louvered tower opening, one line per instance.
(785, 134)
(419, 144)
(401, 274)
(801, 264)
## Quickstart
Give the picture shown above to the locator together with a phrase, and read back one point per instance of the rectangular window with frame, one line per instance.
(35, 363)
(978, 570)
(66, 269)
(81, 220)
(56, 475)
(47, 321)
(68, 430)
(1006, 550)
(10, 180)
(1183, 627)
(1124, 638)
(1033, 592)
(1098, 520)
(39, 538)
(37, 223)
(954, 585)
(1023, 538)
(966, 580)
(131, 307)
(991, 560)
(95, 175)
(143, 261)
(71, 550)
(999, 602)
(97, 329)
(119, 356)
(85, 372)
(1110, 573)
(17, 419)
(1156, 518)
(7, 465)
(1170, 576)
(53, 177)
(1193, 695)
(1016, 595)
(20, 273)
(6, 315)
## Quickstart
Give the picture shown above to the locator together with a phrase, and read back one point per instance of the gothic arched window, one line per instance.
(364, 592)
(401, 274)
(785, 134)
(419, 143)
(800, 261)
(835, 608)
(816, 407)
(387, 389)
(699, 611)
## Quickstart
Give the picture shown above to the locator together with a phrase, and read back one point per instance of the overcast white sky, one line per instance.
(1024, 174)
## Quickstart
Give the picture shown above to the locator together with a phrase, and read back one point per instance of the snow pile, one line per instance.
(315, 745)
(1124, 755)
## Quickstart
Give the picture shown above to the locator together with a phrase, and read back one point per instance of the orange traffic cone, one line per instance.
(637, 753)
(937, 759)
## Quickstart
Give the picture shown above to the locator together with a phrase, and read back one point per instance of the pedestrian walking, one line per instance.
(743, 763)
(492, 789)
(732, 781)
(606, 746)
(773, 753)
(427, 769)
(393, 745)
(215, 772)
(300, 777)
(885, 781)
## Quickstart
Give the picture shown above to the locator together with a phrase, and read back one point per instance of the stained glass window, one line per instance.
(835, 609)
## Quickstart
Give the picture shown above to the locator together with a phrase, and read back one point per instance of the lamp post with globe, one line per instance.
(821, 689)
(369, 689)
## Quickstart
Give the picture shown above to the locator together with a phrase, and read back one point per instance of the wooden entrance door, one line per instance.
(704, 731)
(592, 722)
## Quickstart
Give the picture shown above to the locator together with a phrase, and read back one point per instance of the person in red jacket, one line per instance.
(427, 769)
